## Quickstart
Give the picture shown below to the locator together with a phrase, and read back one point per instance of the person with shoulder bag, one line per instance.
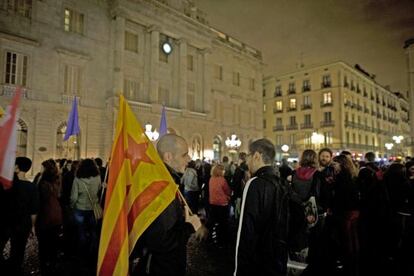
(87, 211)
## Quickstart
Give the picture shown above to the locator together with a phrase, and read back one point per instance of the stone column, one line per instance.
(205, 68)
(154, 63)
(182, 69)
(119, 38)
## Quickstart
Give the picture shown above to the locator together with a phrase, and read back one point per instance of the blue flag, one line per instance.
(73, 121)
(163, 123)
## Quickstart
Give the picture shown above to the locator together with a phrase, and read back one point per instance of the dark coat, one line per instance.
(237, 182)
(262, 248)
(164, 242)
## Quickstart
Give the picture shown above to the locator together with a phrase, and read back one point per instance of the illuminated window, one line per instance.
(292, 103)
(327, 98)
(279, 105)
(73, 21)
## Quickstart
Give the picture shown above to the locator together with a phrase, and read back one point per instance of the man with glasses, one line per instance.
(261, 246)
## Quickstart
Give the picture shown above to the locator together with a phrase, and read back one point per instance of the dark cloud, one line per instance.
(368, 32)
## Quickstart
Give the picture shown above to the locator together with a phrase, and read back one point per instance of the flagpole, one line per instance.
(104, 181)
(185, 202)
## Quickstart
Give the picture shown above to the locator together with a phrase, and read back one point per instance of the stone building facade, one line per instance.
(343, 104)
(409, 50)
(210, 83)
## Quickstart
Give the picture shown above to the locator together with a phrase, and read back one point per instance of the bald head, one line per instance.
(173, 150)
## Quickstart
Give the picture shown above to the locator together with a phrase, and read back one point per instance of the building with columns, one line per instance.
(210, 82)
(334, 105)
(409, 50)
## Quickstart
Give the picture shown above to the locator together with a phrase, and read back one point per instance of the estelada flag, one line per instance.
(8, 144)
(139, 189)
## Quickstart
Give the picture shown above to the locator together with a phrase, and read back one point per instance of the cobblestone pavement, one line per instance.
(204, 259)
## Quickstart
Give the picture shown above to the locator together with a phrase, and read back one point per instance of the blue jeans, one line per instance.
(87, 232)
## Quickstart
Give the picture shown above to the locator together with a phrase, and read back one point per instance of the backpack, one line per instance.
(282, 207)
(304, 194)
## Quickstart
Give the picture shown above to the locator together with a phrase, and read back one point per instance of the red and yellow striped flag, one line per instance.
(139, 189)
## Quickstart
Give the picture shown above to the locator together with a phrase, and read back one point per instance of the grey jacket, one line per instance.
(79, 198)
(190, 181)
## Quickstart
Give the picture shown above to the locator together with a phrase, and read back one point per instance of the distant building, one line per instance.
(210, 82)
(343, 103)
(409, 50)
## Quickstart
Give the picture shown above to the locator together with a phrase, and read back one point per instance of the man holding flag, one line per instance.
(142, 203)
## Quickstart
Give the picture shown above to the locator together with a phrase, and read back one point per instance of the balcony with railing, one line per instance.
(306, 89)
(350, 124)
(306, 106)
(291, 91)
(366, 110)
(291, 109)
(277, 94)
(292, 127)
(326, 103)
(306, 126)
(277, 110)
(326, 84)
(278, 128)
(10, 91)
(327, 123)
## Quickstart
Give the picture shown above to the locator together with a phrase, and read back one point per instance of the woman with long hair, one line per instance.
(303, 179)
(49, 219)
(345, 213)
(219, 198)
(83, 198)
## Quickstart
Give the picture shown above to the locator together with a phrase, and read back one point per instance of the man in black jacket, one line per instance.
(261, 238)
(164, 243)
(238, 182)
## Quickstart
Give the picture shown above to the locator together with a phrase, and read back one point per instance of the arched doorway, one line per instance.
(68, 149)
(217, 151)
(21, 138)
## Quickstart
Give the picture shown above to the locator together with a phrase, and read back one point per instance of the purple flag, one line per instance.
(163, 123)
(73, 121)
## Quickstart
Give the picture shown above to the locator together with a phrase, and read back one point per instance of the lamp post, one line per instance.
(397, 140)
(285, 149)
(317, 139)
(152, 135)
(389, 146)
(233, 143)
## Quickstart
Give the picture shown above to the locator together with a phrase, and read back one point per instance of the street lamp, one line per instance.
(317, 139)
(285, 148)
(152, 135)
(389, 146)
(233, 143)
(397, 139)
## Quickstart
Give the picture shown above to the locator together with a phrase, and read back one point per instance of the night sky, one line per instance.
(288, 32)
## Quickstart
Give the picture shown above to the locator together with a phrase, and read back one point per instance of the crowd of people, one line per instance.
(337, 215)
(57, 208)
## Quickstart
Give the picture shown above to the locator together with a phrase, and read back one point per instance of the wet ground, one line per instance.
(204, 259)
